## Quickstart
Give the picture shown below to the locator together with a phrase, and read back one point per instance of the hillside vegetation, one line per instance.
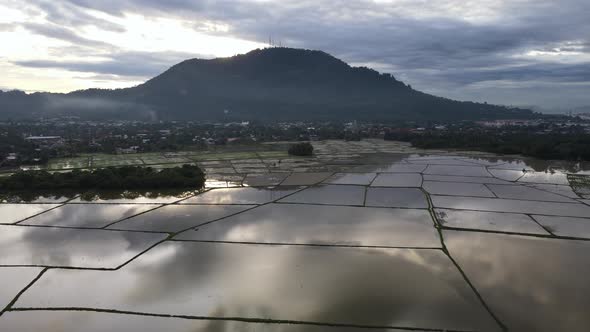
(272, 84)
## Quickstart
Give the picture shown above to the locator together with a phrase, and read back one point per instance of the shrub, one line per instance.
(301, 149)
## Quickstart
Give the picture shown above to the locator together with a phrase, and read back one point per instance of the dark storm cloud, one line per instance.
(433, 45)
(130, 64)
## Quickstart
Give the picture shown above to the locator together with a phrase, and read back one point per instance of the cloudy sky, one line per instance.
(518, 52)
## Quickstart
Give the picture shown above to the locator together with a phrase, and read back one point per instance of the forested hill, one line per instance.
(270, 84)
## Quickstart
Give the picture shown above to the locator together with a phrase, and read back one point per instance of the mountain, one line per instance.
(270, 84)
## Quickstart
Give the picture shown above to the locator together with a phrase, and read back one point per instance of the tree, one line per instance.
(301, 149)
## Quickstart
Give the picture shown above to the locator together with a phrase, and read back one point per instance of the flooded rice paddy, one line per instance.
(364, 236)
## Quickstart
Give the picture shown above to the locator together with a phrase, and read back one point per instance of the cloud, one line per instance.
(67, 14)
(438, 45)
(550, 72)
(61, 33)
(429, 34)
(129, 64)
(6, 27)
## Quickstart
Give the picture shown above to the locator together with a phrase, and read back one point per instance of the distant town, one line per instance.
(35, 142)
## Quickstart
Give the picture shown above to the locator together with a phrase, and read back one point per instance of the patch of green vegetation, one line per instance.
(121, 178)
(176, 160)
(225, 156)
(580, 183)
(272, 154)
(301, 149)
(155, 159)
(114, 162)
(68, 163)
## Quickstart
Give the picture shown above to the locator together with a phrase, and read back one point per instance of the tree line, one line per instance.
(118, 178)
(543, 146)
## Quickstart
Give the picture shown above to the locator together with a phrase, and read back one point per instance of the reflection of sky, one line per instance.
(401, 287)
(525, 192)
(511, 205)
(88, 321)
(12, 280)
(28, 245)
(329, 194)
(11, 213)
(247, 195)
(504, 222)
(416, 162)
(88, 215)
(175, 218)
(532, 284)
(293, 223)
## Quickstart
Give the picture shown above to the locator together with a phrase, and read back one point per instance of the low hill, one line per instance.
(272, 84)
